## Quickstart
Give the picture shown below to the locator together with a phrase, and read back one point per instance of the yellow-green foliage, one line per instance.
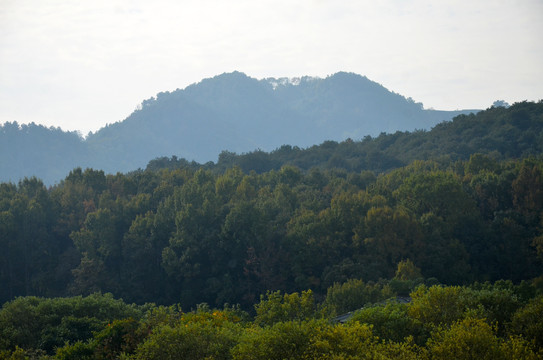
(528, 321)
(17, 354)
(484, 321)
(518, 348)
(205, 334)
(193, 340)
(439, 305)
(354, 294)
(466, 339)
(275, 307)
(391, 322)
(317, 339)
(407, 271)
(475, 339)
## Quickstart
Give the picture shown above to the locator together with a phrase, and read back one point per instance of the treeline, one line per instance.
(481, 321)
(49, 153)
(499, 132)
(190, 236)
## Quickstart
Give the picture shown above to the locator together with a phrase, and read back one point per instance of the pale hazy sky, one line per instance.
(82, 64)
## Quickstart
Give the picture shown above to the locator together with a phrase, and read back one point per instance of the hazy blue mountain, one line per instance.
(227, 112)
(237, 113)
(35, 150)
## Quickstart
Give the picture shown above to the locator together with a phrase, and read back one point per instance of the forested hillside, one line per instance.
(186, 237)
(230, 112)
(194, 236)
(452, 217)
(306, 218)
(499, 132)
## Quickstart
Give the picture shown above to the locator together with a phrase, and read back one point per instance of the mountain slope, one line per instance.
(237, 113)
(498, 132)
(230, 112)
(34, 150)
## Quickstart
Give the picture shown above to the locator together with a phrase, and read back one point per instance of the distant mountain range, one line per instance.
(230, 112)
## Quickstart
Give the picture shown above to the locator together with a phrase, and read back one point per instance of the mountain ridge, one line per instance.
(228, 112)
(255, 116)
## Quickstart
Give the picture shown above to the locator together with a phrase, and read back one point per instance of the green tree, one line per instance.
(466, 339)
(198, 335)
(528, 190)
(100, 244)
(439, 305)
(407, 271)
(391, 322)
(527, 321)
(142, 276)
(353, 295)
(192, 255)
(42, 323)
(275, 307)
(391, 235)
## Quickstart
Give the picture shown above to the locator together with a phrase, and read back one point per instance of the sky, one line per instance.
(80, 65)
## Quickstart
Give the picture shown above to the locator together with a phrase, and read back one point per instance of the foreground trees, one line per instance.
(483, 321)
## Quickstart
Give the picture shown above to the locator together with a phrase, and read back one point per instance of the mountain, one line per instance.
(498, 133)
(35, 150)
(230, 112)
(237, 113)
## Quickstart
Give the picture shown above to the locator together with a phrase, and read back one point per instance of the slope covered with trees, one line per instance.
(225, 233)
(499, 132)
(459, 230)
(195, 236)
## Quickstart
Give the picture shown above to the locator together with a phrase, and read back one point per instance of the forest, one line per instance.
(436, 254)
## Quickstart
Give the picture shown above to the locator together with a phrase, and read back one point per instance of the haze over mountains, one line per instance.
(228, 112)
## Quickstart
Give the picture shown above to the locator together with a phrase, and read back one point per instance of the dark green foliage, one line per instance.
(119, 337)
(197, 236)
(39, 323)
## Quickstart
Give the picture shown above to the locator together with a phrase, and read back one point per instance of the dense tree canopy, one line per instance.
(194, 236)
(303, 243)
